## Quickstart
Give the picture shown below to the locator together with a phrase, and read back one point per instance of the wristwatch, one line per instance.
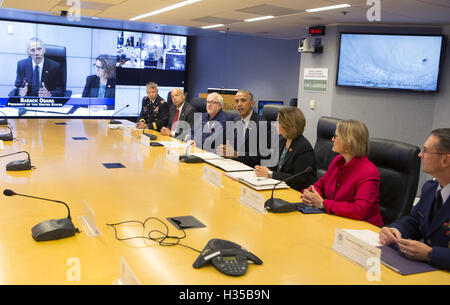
(269, 173)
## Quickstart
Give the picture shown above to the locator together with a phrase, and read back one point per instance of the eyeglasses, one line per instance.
(211, 102)
(98, 67)
(424, 151)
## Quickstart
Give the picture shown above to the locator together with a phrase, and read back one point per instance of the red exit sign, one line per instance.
(316, 30)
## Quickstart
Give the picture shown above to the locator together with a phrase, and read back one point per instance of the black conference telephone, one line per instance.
(226, 256)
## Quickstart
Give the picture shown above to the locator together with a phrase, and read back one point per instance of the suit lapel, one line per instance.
(254, 118)
(289, 153)
(45, 68)
(443, 216)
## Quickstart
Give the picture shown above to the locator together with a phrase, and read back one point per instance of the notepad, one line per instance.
(392, 258)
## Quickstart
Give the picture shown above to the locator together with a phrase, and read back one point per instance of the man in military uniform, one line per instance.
(429, 219)
(155, 110)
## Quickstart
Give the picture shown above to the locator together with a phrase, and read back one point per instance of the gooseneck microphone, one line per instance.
(188, 158)
(3, 121)
(112, 121)
(7, 136)
(50, 229)
(276, 205)
(19, 165)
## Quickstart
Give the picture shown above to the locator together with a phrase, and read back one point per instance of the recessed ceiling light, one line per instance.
(326, 8)
(259, 18)
(164, 9)
(212, 26)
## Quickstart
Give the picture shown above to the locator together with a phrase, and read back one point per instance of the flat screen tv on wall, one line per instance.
(86, 71)
(390, 61)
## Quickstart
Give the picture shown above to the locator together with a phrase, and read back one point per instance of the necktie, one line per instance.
(35, 83)
(175, 119)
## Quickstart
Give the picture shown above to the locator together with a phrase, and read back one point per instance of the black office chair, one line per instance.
(326, 126)
(270, 112)
(199, 104)
(399, 168)
(232, 115)
(169, 97)
(293, 102)
(58, 54)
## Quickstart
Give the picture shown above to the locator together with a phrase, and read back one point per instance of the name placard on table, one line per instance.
(355, 248)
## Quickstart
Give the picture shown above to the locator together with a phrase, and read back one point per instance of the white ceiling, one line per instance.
(290, 22)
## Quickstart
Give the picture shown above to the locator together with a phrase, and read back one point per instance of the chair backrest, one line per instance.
(270, 112)
(293, 102)
(399, 168)
(232, 115)
(58, 54)
(326, 126)
(169, 98)
(199, 104)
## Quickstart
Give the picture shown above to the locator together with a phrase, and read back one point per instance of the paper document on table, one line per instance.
(259, 183)
(172, 144)
(229, 165)
(367, 236)
(207, 155)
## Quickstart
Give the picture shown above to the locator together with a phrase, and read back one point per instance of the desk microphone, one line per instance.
(50, 229)
(112, 121)
(7, 136)
(19, 165)
(151, 136)
(3, 121)
(188, 158)
(276, 205)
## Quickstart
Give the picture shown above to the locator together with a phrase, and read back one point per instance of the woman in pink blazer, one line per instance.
(350, 187)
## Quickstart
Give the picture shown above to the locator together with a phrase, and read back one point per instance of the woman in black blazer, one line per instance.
(295, 152)
(103, 83)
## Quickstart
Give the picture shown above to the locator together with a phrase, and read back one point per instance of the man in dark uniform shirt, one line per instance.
(424, 234)
(155, 110)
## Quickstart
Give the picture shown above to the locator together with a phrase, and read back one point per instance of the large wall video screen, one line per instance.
(59, 70)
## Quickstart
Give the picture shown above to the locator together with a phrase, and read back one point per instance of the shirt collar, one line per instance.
(445, 192)
(247, 118)
(41, 64)
(181, 107)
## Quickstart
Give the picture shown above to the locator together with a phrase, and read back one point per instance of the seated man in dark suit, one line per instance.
(181, 116)
(425, 233)
(250, 133)
(155, 110)
(37, 75)
(212, 130)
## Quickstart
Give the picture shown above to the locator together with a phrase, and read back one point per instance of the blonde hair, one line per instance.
(292, 120)
(354, 136)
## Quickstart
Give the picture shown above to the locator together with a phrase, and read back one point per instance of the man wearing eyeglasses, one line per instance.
(429, 219)
(37, 75)
(211, 132)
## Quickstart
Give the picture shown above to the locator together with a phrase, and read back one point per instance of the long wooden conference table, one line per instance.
(295, 248)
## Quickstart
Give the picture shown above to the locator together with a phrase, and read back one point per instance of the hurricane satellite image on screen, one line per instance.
(389, 61)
